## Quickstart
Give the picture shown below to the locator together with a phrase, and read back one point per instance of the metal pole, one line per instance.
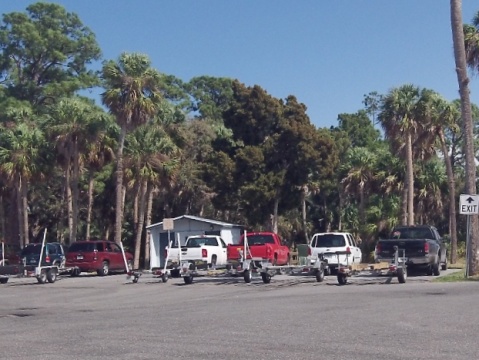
(468, 241)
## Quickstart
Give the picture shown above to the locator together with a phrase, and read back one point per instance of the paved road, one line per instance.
(223, 318)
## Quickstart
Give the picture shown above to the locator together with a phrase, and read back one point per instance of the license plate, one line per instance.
(79, 257)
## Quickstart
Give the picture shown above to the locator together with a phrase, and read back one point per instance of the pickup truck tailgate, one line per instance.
(413, 248)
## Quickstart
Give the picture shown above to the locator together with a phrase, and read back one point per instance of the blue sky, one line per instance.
(329, 54)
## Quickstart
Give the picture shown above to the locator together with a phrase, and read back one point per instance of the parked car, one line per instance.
(266, 245)
(331, 242)
(209, 248)
(53, 254)
(11, 254)
(423, 246)
(97, 255)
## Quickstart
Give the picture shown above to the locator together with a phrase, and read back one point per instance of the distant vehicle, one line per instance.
(11, 255)
(97, 255)
(424, 247)
(53, 255)
(208, 248)
(331, 242)
(265, 245)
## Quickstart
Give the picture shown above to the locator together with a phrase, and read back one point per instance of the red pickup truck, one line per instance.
(266, 245)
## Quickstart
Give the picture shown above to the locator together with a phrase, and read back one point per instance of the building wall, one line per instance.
(182, 229)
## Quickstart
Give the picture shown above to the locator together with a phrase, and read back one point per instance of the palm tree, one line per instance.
(20, 155)
(133, 96)
(398, 118)
(463, 81)
(471, 42)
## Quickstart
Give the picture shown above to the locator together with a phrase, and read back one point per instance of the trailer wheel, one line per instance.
(188, 279)
(319, 275)
(42, 278)
(3, 280)
(266, 278)
(402, 275)
(247, 276)
(75, 272)
(51, 275)
(342, 279)
(164, 278)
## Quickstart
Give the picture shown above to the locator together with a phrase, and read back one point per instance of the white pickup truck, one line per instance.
(208, 248)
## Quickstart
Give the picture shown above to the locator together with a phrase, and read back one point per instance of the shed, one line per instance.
(184, 226)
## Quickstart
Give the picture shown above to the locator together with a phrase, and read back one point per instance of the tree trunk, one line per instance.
(463, 81)
(75, 192)
(141, 222)
(21, 233)
(119, 186)
(25, 211)
(91, 184)
(303, 213)
(275, 216)
(452, 198)
(404, 204)
(136, 201)
(410, 182)
(149, 209)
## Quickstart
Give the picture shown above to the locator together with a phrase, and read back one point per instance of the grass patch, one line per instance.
(456, 277)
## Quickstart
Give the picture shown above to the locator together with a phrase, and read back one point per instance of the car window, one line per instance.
(328, 240)
(260, 239)
(351, 240)
(198, 242)
(223, 243)
(82, 246)
(115, 247)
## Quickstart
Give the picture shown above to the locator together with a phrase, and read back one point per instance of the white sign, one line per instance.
(168, 224)
(469, 204)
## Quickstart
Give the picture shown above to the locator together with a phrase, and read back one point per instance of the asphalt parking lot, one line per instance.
(92, 317)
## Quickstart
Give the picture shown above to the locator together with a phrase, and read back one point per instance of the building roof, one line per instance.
(200, 219)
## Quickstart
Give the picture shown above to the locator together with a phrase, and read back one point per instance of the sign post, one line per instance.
(468, 205)
(168, 224)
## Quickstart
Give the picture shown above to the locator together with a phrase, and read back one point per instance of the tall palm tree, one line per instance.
(463, 81)
(471, 42)
(132, 96)
(20, 156)
(398, 118)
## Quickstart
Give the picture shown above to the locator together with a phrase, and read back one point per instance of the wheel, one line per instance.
(213, 262)
(444, 266)
(327, 271)
(436, 269)
(105, 269)
(3, 280)
(51, 275)
(266, 278)
(319, 275)
(75, 272)
(188, 279)
(42, 278)
(342, 279)
(135, 279)
(402, 275)
(247, 276)
(429, 270)
(164, 277)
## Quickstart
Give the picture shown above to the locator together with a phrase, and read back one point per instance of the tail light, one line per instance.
(204, 253)
(378, 248)
(426, 247)
(47, 259)
(348, 250)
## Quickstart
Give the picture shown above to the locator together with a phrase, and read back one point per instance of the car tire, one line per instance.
(3, 280)
(342, 279)
(188, 279)
(164, 278)
(105, 269)
(402, 275)
(319, 275)
(75, 272)
(266, 278)
(444, 265)
(247, 276)
(51, 275)
(436, 268)
(42, 278)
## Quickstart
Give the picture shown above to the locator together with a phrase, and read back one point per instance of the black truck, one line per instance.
(424, 248)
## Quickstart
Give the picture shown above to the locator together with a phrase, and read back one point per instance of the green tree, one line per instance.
(133, 97)
(463, 81)
(44, 53)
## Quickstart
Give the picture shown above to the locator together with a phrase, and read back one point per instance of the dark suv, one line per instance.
(53, 254)
(97, 255)
(11, 254)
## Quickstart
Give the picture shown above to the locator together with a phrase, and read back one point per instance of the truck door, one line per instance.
(223, 252)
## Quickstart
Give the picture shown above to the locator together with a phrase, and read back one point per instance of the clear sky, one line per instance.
(329, 54)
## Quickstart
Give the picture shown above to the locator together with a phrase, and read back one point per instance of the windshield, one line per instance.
(31, 249)
(83, 246)
(260, 239)
(198, 242)
(328, 240)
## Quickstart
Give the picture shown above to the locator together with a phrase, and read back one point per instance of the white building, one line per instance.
(184, 226)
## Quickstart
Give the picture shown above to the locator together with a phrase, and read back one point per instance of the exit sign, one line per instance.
(469, 204)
